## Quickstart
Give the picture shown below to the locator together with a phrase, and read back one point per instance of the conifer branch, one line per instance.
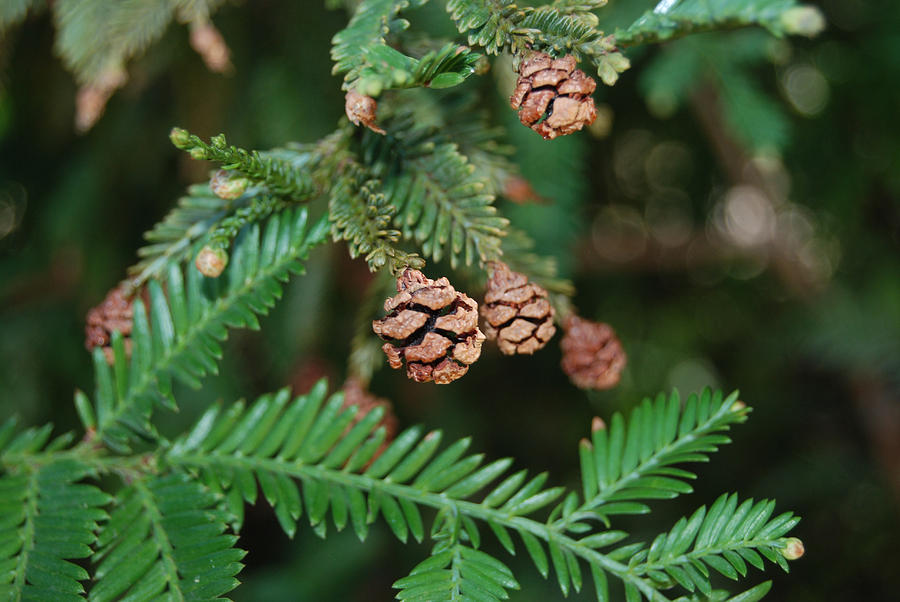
(567, 28)
(443, 202)
(371, 66)
(312, 441)
(779, 17)
(172, 239)
(276, 179)
(50, 518)
(360, 214)
(165, 539)
(284, 173)
(625, 463)
(312, 455)
(726, 539)
(178, 337)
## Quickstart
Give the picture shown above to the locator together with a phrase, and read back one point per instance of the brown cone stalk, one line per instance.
(114, 313)
(516, 312)
(431, 327)
(593, 357)
(552, 96)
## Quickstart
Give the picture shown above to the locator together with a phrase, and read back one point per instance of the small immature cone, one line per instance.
(593, 357)
(793, 548)
(516, 312)
(552, 96)
(211, 262)
(228, 185)
(361, 110)
(430, 326)
(114, 313)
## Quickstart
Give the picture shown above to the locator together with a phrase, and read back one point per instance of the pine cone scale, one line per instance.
(403, 326)
(432, 348)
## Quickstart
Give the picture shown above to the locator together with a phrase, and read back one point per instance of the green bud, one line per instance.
(803, 20)
(180, 137)
(228, 185)
(211, 262)
(218, 141)
(793, 548)
(199, 153)
(738, 406)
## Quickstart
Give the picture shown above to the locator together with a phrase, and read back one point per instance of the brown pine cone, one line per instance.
(432, 326)
(517, 312)
(114, 313)
(555, 89)
(592, 355)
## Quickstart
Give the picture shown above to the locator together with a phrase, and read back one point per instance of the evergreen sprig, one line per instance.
(284, 173)
(172, 239)
(164, 540)
(275, 179)
(632, 461)
(371, 66)
(49, 518)
(188, 316)
(313, 455)
(314, 441)
(444, 204)
(726, 538)
(161, 531)
(561, 28)
(779, 17)
(361, 215)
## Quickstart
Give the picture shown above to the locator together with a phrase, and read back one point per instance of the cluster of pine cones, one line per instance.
(430, 326)
(433, 329)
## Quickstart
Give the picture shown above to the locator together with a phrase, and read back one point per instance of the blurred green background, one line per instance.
(733, 214)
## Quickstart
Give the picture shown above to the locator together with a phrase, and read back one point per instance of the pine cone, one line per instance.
(517, 313)
(432, 326)
(592, 355)
(556, 89)
(114, 313)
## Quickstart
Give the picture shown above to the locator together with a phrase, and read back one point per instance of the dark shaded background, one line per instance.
(734, 215)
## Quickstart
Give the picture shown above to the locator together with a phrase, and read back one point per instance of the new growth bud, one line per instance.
(180, 137)
(228, 185)
(211, 262)
(793, 548)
